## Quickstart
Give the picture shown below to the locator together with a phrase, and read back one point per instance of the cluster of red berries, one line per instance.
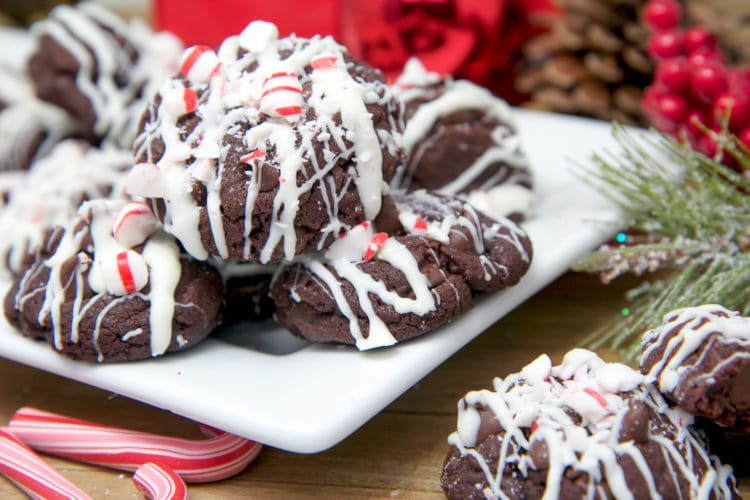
(694, 94)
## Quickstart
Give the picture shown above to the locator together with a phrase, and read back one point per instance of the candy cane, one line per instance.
(324, 62)
(31, 474)
(134, 224)
(200, 64)
(376, 243)
(196, 461)
(282, 96)
(180, 100)
(158, 482)
(123, 273)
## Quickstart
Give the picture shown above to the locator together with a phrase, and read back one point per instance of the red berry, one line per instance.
(744, 137)
(673, 74)
(662, 14)
(650, 99)
(695, 121)
(708, 81)
(708, 145)
(672, 107)
(697, 37)
(738, 81)
(735, 106)
(665, 44)
(703, 55)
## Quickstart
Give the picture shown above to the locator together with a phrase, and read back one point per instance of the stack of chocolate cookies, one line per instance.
(272, 176)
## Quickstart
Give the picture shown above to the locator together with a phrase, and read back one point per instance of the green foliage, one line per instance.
(687, 214)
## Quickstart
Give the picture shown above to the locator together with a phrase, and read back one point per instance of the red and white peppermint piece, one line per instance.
(351, 244)
(282, 96)
(199, 64)
(376, 243)
(31, 474)
(196, 461)
(255, 154)
(145, 179)
(179, 100)
(134, 224)
(420, 224)
(124, 273)
(324, 61)
(597, 397)
(159, 482)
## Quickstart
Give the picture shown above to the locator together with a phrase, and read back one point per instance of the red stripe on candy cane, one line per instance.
(126, 276)
(324, 62)
(289, 110)
(158, 482)
(192, 57)
(376, 243)
(598, 397)
(190, 98)
(195, 461)
(280, 74)
(146, 210)
(420, 224)
(256, 154)
(280, 88)
(31, 474)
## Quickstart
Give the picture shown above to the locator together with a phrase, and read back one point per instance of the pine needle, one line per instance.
(695, 215)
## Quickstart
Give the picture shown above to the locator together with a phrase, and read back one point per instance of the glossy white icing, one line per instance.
(241, 100)
(530, 407)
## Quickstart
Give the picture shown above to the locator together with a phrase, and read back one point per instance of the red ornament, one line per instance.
(708, 81)
(673, 74)
(662, 14)
(668, 43)
(698, 37)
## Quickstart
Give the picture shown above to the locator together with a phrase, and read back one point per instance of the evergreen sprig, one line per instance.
(686, 213)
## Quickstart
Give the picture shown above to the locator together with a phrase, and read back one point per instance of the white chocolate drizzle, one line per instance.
(684, 332)
(160, 252)
(534, 406)
(123, 82)
(506, 148)
(51, 192)
(229, 107)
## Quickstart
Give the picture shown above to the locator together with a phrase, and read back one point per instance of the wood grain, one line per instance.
(398, 454)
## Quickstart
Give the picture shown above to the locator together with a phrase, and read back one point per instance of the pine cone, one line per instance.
(729, 19)
(591, 62)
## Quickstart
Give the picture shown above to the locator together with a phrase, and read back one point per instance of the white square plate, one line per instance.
(260, 382)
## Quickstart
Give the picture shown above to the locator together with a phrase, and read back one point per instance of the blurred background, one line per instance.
(584, 57)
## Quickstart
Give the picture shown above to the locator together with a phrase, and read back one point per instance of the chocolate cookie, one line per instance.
(99, 68)
(372, 290)
(247, 286)
(269, 148)
(460, 139)
(490, 253)
(111, 286)
(584, 429)
(50, 193)
(700, 359)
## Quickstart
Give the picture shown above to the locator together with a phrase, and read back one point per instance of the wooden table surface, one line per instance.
(398, 454)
